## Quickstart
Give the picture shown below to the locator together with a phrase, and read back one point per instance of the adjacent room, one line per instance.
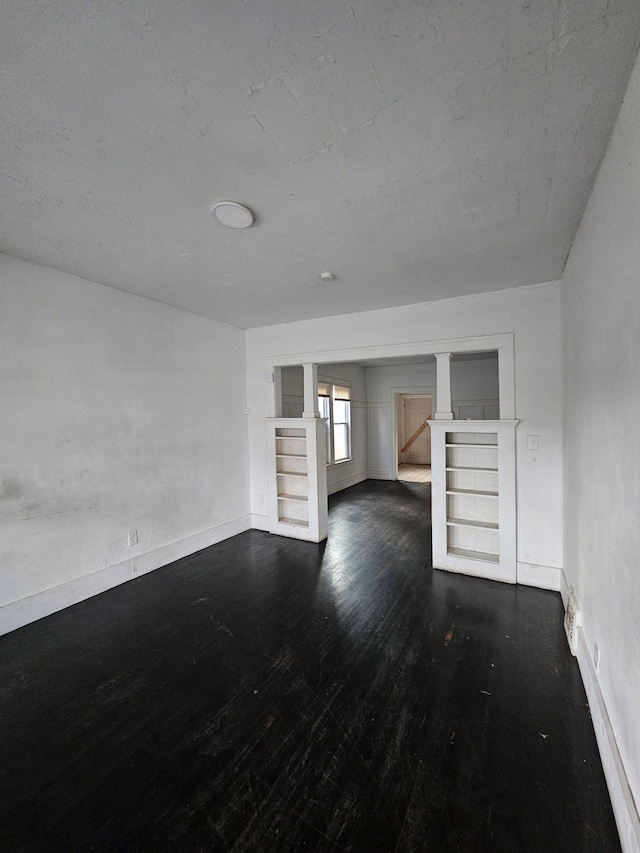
(319, 467)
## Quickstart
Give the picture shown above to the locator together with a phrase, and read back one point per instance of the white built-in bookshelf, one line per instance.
(473, 497)
(297, 478)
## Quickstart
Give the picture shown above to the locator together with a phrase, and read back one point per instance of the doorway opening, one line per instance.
(413, 437)
(481, 385)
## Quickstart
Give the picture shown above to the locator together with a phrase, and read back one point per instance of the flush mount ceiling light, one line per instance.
(232, 213)
(327, 276)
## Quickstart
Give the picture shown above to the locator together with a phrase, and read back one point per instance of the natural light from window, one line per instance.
(334, 404)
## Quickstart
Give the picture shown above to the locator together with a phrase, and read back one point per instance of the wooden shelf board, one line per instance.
(467, 522)
(475, 446)
(297, 498)
(473, 492)
(290, 474)
(295, 522)
(481, 470)
(291, 455)
(485, 556)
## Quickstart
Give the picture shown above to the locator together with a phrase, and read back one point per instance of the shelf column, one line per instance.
(443, 387)
(310, 391)
(274, 380)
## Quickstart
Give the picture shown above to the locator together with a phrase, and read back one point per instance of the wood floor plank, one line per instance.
(274, 695)
(414, 473)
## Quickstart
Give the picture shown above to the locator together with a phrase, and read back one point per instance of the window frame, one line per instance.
(326, 407)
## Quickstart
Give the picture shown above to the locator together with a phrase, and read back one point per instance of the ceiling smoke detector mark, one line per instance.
(233, 214)
(327, 276)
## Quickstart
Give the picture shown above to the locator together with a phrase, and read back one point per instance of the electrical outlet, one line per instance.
(133, 537)
(260, 500)
(596, 657)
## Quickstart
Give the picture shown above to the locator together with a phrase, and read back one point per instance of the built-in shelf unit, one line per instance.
(297, 478)
(473, 497)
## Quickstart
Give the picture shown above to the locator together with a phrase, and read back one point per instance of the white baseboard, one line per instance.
(259, 521)
(622, 800)
(347, 482)
(380, 475)
(48, 601)
(544, 577)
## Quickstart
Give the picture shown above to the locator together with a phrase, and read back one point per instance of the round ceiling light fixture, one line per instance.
(233, 214)
(327, 276)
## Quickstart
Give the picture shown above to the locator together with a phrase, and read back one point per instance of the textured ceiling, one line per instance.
(419, 150)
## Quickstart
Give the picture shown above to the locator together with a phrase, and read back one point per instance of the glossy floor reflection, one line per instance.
(273, 695)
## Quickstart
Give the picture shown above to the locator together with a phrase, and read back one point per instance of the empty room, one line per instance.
(319, 406)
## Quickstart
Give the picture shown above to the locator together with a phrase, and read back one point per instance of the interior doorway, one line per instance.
(413, 460)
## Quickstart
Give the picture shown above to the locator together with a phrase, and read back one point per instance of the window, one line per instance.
(334, 404)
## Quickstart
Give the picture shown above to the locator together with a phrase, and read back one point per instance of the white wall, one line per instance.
(474, 388)
(532, 314)
(292, 389)
(601, 331)
(474, 381)
(117, 414)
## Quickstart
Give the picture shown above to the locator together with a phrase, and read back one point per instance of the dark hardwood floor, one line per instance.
(273, 695)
